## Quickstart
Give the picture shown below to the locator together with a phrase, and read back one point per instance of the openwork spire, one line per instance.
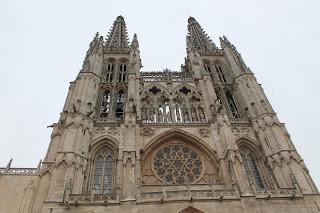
(198, 37)
(117, 38)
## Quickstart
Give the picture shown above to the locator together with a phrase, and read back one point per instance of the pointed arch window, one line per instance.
(122, 72)
(232, 105)
(123, 67)
(105, 104)
(207, 68)
(103, 171)
(110, 68)
(222, 78)
(250, 166)
(120, 104)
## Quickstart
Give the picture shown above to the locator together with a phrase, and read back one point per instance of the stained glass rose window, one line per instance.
(177, 164)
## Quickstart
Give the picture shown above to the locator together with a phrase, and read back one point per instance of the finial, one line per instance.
(135, 42)
(9, 164)
(191, 20)
(120, 18)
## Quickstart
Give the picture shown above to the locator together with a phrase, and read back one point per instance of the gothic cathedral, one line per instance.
(202, 139)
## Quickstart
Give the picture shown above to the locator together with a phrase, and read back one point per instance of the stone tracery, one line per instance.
(177, 164)
(184, 105)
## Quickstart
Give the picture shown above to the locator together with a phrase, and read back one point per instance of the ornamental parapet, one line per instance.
(92, 198)
(278, 193)
(155, 193)
(19, 171)
(165, 76)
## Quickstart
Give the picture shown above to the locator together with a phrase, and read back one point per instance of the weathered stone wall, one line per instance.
(16, 192)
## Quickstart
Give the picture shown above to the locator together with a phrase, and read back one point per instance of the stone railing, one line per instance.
(164, 76)
(19, 171)
(238, 120)
(85, 198)
(283, 193)
(187, 195)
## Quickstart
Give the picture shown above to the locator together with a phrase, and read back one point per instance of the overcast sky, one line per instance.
(43, 44)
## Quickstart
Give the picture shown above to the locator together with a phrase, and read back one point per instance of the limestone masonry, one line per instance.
(201, 139)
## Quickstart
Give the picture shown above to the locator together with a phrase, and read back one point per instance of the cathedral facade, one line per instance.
(202, 139)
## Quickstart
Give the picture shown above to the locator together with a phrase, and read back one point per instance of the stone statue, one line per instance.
(131, 106)
(76, 106)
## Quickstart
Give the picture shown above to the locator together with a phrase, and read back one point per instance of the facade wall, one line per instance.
(131, 141)
(17, 192)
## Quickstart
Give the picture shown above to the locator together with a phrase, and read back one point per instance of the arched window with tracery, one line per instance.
(110, 69)
(221, 75)
(232, 105)
(250, 165)
(175, 162)
(207, 68)
(122, 72)
(105, 104)
(120, 104)
(103, 179)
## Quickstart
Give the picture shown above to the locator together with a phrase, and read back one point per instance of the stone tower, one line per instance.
(202, 139)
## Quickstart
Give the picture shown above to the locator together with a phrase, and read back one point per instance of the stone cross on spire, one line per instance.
(117, 38)
(198, 37)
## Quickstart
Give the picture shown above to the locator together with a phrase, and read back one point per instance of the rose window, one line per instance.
(177, 164)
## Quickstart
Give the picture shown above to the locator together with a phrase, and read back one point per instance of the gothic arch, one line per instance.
(176, 139)
(98, 145)
(157, 85)
(101, 141)
(123, 59)
(182, 135)
(188, 86)
(110, 59)
(250, 143)
(190, 210)
(253, 162)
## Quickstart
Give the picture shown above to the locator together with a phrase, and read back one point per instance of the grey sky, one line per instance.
(43, 44)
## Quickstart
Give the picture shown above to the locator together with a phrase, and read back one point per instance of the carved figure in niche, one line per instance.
(168, 116)
(195, 59)
(89, 109)
(131, 105)
(185, 116)
(151, 114)
(218, 106)
(201, 114)
(161, 117)
(76, 106)
(144, 114)
(178, 114)
(166, 75)
(194, 115)
(264, 105)
(63, 118)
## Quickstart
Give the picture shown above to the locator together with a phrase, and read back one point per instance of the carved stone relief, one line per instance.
(241, 131)
(112, 130)
(204, 132)
(147, 131)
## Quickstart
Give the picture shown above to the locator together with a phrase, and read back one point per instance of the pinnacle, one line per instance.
(117, 37)
(191, 20)
(120, 18)
(198, 37)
